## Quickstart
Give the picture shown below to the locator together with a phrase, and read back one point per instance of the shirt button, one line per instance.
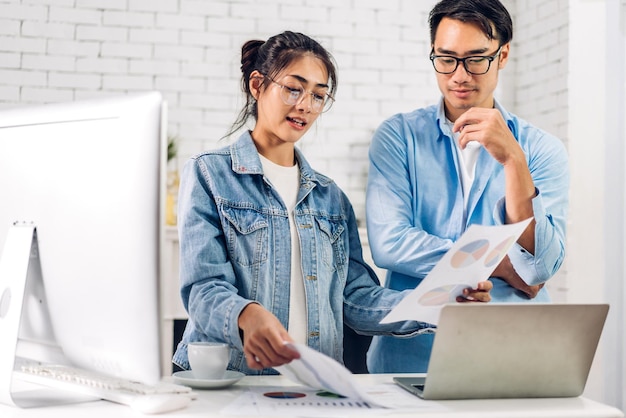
(311, 277)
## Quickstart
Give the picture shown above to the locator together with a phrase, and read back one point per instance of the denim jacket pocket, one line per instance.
(332, 247)
(246, 232)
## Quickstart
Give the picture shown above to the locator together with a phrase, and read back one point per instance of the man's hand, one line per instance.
(480, 294)
(264, 338)
(488, 127)
(506, 272)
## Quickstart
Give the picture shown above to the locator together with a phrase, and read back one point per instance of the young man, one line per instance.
(466, 160)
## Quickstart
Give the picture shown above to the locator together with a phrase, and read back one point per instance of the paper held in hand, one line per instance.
(318, 371)
(472, 258)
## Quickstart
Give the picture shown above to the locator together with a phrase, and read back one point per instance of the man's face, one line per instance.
(462, 90)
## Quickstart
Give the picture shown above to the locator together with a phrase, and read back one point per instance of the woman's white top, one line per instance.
(286, 181)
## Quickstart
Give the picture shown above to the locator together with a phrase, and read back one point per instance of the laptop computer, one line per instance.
(529, 350)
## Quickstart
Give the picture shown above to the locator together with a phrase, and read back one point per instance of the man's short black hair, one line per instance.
(490, 15)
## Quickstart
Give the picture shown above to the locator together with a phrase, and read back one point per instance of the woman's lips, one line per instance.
(296, 122)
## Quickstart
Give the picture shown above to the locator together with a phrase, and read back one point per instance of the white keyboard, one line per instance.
(144, 398)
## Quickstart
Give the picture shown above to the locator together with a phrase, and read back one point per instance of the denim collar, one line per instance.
(246, 161)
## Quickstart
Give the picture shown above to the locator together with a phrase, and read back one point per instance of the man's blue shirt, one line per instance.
(415, 210)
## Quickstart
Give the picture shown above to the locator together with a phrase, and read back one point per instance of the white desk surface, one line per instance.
(209, 403)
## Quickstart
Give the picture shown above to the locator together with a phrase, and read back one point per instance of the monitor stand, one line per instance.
(25, 326)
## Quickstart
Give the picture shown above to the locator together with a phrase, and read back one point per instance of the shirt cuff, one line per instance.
(522, 260)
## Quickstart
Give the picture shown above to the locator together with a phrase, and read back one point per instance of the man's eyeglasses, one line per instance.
(475, 65)
(293, 93)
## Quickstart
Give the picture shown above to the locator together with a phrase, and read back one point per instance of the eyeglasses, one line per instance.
(475, 65)
(293, 93)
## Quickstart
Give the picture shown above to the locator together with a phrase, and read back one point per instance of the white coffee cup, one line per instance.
(208, 360)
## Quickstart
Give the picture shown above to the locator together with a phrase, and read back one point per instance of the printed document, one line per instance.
(471, 259)
(324, 388)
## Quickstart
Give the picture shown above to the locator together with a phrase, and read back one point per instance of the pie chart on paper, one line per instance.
(498, 252)
(441, 295)
(469, 253)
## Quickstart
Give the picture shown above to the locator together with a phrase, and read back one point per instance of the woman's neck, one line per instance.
(282, 154)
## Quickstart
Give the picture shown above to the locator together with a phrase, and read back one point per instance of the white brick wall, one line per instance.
(540, 53)
(540, 79)
(61, 50)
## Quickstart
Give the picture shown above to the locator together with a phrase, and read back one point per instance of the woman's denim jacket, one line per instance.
(235, 249)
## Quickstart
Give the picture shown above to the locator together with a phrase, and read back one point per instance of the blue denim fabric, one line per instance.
(235, 249)
(415, 212)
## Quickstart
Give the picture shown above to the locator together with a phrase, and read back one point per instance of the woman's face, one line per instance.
(278, 122)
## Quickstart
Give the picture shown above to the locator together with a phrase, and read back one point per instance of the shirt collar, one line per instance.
(445, 130)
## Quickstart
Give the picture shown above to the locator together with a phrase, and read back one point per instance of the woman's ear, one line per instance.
(256, 81)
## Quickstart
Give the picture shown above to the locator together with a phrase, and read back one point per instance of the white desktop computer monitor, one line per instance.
(89, 176)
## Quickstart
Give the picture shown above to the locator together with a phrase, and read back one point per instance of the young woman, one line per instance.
(270, 250)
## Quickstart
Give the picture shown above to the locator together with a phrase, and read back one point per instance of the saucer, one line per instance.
(187, 378)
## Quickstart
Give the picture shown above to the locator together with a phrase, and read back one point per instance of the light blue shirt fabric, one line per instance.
(235, 249)
(415, 212)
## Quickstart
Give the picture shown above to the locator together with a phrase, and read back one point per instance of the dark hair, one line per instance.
(490, 15)
(270, 58)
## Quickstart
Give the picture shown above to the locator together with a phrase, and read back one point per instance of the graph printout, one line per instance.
(306, 402)
(318, 371)
(470, 260)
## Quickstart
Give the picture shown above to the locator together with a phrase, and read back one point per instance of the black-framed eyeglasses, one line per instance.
(293, 93)
(475, 65)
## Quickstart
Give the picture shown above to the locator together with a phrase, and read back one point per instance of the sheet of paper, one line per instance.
(318, 371)
(472, 258)
(299, 401)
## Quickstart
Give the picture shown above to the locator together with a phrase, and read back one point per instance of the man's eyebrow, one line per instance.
(444, 51)
(304, 80)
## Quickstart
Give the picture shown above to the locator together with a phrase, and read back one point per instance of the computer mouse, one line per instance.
(159, 403)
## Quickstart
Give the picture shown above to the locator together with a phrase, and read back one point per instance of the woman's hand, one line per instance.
(264, 338)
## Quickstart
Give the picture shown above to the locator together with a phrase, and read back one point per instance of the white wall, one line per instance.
(540, 54)
(596, 146)
(586, 149)
(614, 205)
